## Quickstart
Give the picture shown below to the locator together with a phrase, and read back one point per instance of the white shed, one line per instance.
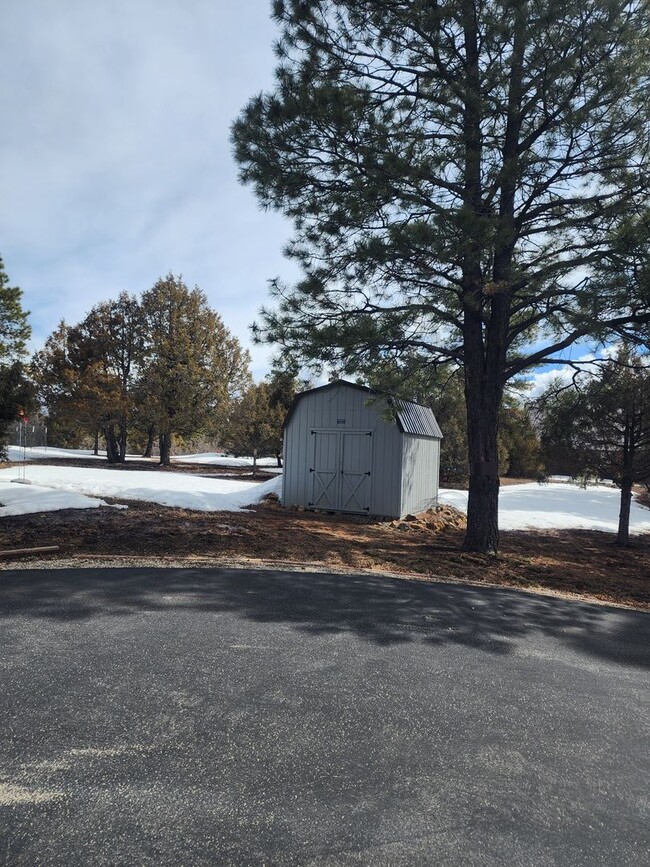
(349, 449)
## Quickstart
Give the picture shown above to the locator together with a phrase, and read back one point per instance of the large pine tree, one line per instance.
(456, 172)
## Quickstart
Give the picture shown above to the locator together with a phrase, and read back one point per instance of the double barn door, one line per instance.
(341, 470)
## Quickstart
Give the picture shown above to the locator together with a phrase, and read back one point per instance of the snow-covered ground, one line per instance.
(24, 499)
(220, 460)
(559, 505)
(41, 453)
(72, 484)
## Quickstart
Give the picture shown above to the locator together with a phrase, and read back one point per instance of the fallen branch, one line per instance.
(17, 552)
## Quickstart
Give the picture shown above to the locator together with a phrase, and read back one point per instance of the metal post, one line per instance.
(22, 440)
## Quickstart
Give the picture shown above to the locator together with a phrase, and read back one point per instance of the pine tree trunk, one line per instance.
(112, 452)
(480, 360)
(623, 535)
(482, 515)
(629, 448)
(122, 441)
(254, 463)
(148, 451)
(483, 501)
(165, 445)
(96, 443)
(483, 399)
(487, 302)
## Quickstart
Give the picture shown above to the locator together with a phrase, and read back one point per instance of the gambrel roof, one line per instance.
(411, 418)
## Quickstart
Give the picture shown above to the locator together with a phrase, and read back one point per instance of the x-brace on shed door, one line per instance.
(324, 470)
(341, 470)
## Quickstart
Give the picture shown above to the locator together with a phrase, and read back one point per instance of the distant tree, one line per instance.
(15, 389)
(193, 366)
(165, 365)
(520, 448)
(55, 378)
(82, 394)
(17, 393)
(255, 424)
(600, 426)
(108, 343)
(457, 173)
(283, 385)
(15, 330)
(144, 419)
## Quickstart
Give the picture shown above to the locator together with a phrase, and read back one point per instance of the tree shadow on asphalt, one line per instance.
(374, 608)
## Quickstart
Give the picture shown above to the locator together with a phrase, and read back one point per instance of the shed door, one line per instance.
(340, 471)
(356, 463)
(325, 470)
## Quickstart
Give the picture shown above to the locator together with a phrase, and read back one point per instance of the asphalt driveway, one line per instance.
(155, 717)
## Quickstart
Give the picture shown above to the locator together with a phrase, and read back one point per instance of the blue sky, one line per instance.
(115, 161)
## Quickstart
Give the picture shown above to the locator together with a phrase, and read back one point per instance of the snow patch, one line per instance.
(25, 499)
(557, 507)
(71, 488)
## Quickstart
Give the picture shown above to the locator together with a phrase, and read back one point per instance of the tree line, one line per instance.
(140, 371)
(143, 371)
(160, 366)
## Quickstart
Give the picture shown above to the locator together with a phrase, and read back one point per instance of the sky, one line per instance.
(115, 160)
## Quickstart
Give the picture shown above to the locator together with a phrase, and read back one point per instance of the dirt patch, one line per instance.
(426, 546)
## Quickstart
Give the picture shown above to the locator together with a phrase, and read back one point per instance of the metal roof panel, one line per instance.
(416, 419)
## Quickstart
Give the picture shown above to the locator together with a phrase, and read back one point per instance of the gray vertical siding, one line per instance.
(322, 410)
(420, 473)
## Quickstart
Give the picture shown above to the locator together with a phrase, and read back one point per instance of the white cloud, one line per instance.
(540, 380)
